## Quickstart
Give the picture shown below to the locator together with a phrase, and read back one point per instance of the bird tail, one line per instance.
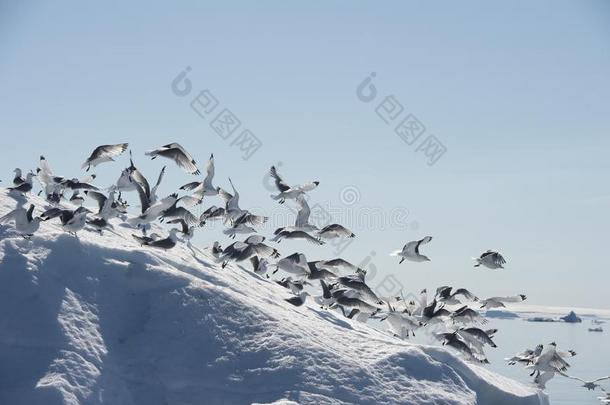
(151, 153)
(275, 196)
(396, 253)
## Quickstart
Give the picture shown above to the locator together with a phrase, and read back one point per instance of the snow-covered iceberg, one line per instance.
(99, 320)
(571, 318)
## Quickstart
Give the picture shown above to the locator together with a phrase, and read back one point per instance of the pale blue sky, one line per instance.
(517, 92)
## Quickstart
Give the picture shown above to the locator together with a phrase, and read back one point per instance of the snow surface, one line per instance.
(99, 319)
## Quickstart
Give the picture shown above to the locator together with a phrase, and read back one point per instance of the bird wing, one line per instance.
(303, 213)
(183, 224)
(210, 172)
(11, 216)
(107, 151)
(425, 240)
(138, 177)
(307, 186)
(99, 198)
(279, 182)
(181, 157)
(465, 293)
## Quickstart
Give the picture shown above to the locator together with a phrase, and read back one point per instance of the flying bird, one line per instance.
(289, 192)
(203, 188)
(174, 151)
(335, 231)
(498, 302)
(491, 260)
(411, 251)
(104, 153)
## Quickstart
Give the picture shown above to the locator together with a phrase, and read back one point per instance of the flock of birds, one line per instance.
(452, 315)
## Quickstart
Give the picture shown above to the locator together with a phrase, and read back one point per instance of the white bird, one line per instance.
(201, 189)
(187, 231)
(24, 221)
(51, 184)
(174, 151)
(605, 399)
(260, 265)
(526, 357)
(446, 296)
(498, 302)
(466, 315)
(24, 187)
(104, 153)
(491, 260)
(337, 264)
(590, 385)
(18, 179)
(302, 220)
(211, 213)
(295, 264)
(150, 212)
(289, 192)
(251, 246)
(243, 224)
(287, 233)
(549, 361)
(335, 231)
(401, 324)
(74, 221)
(167, 243)
(411, 251)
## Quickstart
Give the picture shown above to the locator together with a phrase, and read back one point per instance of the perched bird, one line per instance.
(335, 231)
(76, 221)
(25, 223)
(326, 299)
(187, 231)
(166, 243)
(491, 260)
(259, 265)
(24, 187)
(174, 151)
(18, 179)
(411, 251)
(143, 240)
(298, 300)
(289, 192)
(104, 153)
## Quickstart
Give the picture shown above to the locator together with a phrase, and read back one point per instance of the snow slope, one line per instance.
(99, 319)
